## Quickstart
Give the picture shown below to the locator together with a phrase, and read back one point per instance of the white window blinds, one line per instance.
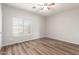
(21, 26)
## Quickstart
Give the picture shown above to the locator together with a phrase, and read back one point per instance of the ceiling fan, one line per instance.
(44, 6)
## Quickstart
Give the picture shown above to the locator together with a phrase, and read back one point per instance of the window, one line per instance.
(21, 26)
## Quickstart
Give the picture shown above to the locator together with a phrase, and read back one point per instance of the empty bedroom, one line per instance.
(39, 28)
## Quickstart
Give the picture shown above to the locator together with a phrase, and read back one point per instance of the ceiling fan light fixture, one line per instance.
(44, 6)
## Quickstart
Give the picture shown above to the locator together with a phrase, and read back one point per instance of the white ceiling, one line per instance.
(58, 7)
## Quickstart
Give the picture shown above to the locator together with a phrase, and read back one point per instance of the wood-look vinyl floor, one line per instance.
(43, 46)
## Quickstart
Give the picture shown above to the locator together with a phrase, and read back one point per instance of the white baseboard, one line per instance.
(11, 43)
(64, 40)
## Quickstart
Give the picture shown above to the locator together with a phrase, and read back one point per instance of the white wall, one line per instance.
(43, 27)
(0, 25)
(11, 12)
(64, 26)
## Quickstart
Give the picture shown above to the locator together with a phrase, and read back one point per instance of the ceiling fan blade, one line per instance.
(51, 4)
(34, 7)
(48, 8)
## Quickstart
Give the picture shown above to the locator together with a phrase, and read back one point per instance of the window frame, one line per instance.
(23, 26)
